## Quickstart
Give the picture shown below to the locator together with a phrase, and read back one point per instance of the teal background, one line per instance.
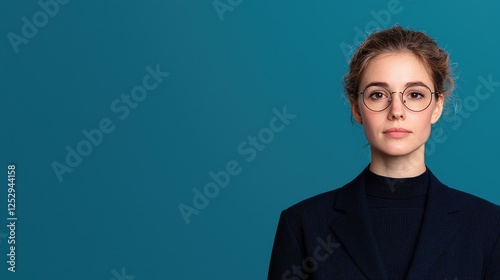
(119, 207)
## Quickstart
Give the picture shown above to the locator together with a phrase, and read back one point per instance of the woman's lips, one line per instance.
(397, 132)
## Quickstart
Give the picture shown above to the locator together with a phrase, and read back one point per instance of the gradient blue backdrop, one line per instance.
(117, 212)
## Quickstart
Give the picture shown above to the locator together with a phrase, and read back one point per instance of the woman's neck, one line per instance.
(406, 166)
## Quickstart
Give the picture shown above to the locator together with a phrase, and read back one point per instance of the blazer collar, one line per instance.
(354, 229)
(439, 226)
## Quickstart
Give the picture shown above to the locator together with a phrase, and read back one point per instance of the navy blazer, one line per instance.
(329, 236)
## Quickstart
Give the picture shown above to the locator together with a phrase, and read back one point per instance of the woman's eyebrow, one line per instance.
(415, 83)
(386, 85)
(379, 84)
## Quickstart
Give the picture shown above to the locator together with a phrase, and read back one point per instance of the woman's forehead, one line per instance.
(395, 70)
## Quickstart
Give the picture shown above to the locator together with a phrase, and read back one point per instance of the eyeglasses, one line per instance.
(415, 98)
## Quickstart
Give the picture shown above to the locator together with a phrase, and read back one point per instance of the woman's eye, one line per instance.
(415, 95)
(377, 95)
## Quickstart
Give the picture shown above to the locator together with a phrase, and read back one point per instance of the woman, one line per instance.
(395, 220)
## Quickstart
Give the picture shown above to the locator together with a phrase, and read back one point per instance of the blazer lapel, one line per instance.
(438, 228)
(354, 230)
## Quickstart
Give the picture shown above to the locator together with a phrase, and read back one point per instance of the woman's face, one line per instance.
(396, 70)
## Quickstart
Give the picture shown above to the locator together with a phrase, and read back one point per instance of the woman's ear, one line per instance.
(355, 112)
(438, 110)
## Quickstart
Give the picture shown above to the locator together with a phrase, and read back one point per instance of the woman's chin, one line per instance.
(396, 152)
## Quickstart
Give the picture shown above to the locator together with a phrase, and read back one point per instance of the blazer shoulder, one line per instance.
(475, 213)
(469, 201)
(312, 213)
(315, 203)
(464, 201)
(325, 204)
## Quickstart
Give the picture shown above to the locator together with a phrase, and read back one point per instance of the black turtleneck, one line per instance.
(396, 208)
